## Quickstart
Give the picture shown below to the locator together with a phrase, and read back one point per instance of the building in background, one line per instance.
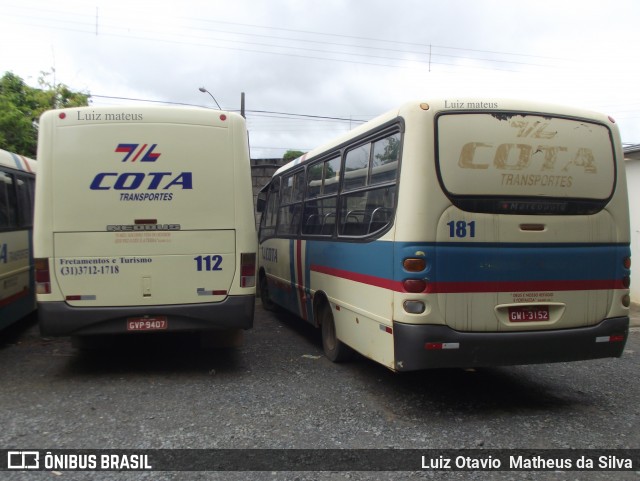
(261, 172)
(632, 162)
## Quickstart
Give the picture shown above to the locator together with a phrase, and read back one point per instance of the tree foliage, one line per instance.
(290, 155)
(21, 107)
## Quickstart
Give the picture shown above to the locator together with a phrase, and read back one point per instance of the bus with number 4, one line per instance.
(459, 233)
(17, 188)
(144, 222)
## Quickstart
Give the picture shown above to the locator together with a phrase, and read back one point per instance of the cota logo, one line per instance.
(140, 180)
(523, 156)
(130, 149)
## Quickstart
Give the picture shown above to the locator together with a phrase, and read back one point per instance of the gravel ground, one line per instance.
(279, 391)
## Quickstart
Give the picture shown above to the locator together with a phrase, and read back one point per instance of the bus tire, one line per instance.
(334, 349)
(267, 303)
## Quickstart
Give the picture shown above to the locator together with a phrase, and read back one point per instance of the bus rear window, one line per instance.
(521, 163)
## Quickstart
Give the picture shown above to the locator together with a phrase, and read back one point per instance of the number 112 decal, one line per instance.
(208, 263)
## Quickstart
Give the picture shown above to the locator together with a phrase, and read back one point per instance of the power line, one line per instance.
(89, 24)
(287, 114)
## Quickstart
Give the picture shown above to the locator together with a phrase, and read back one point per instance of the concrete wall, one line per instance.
(633, 185)
(261, 172)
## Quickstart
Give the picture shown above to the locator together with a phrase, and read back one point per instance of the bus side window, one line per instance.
(319, 216)
(369, 187)
(25, 201)
(356, 167)
(290, 214)
(384, 161)
(8, 207)
(270, 214)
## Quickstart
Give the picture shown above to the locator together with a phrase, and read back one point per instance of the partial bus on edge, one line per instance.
(456, 234)
(17, 187)
(144, 221)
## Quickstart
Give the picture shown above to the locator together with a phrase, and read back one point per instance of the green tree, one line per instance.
(21, 107)
(290, 155)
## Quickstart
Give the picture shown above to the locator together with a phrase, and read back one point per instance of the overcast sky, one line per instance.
(344, 59)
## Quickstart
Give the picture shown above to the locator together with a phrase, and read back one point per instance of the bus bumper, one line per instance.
(434, 346)
(60, 319)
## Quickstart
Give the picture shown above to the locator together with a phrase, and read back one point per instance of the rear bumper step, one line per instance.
(60, 319)
(483, 349)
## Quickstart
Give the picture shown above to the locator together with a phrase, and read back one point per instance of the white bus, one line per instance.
(456, 234)
(144, 221)
(17, 187)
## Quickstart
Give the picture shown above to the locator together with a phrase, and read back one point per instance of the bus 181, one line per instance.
(144, 222)
(17, 187)
(485, 234)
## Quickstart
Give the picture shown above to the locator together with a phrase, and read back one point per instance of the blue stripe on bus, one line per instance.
(474, 262)
(16, 159)
(540, 263)
(373, 259)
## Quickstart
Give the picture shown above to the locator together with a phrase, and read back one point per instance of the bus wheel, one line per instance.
(335, 350)
(267, 303)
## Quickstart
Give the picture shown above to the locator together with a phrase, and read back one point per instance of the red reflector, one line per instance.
(414, 285)
(73, 298)
(247, 270)
(42, 276)
(616, 338)
(429, 346)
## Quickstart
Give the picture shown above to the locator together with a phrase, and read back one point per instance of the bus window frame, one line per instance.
(393, 127)
(490, 204)
(22, 214)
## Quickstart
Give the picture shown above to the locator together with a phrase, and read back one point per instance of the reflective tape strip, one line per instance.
(202, 292)
(81, 298)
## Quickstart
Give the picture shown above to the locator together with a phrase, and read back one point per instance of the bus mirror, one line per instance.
(260, 204)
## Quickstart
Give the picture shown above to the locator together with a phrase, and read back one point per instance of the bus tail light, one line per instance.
(626, 300)
(414, 264)
(247, 270)
(43, 277)
(627, 262)
(414, 285)
(414, 307)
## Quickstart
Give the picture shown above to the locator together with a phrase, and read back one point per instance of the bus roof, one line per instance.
(447, 105)
(18, 162)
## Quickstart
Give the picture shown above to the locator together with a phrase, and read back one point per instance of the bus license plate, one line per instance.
(147, 324)
(528, 313)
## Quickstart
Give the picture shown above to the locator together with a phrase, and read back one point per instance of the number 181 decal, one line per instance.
(208, 263)
(462, 228)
